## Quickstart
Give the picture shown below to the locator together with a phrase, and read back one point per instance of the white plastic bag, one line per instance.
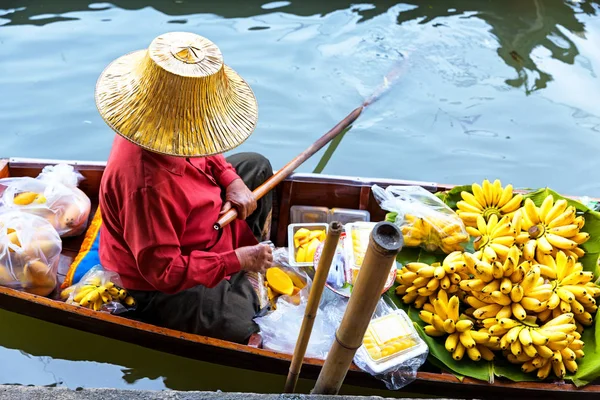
(290, 316)
(29, 253)
(53, 195)
(424, 219)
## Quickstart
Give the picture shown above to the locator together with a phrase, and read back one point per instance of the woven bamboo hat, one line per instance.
(177, 98)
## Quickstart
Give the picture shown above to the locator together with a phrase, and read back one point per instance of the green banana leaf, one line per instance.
(452, 196)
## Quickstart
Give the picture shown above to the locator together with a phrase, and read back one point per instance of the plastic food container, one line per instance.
(347, 215)
(302, 246)
(308, 215)
(389, 341)
(357, 241)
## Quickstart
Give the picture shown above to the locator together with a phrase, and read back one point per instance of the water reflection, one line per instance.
(519, 26)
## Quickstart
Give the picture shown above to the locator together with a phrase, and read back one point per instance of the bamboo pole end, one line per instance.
(387, 238)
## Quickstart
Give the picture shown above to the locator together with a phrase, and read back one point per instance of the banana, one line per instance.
(486, 353)
(473, 353)
(451, 342)
(453, 305)
(464, 325)
(518, 311)
(513, 334)
(480, 337)
(426, 271)
(466, 340)
(537, 338)
(459, 352)
(449, 326)
(544, 351)
(544, 370)
(488, 311)
(430, 330)
(525, 337)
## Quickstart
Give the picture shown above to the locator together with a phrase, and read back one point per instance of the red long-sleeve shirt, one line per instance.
(157, 220)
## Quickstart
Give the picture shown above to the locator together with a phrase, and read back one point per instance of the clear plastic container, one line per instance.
(357, 241)
(308, 215)
(347, 215)
(302, 247)
(391, 340)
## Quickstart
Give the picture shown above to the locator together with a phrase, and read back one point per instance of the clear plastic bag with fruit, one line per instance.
(286, 283)
(29, 253)
(53, 195)
(100, 290)
(424, 219)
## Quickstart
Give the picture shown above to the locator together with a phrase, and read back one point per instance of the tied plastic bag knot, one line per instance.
(62, 173)
(424, 219)
(53, 195)
(100, 290)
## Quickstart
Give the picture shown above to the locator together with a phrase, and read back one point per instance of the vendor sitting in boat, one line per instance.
(176, 107)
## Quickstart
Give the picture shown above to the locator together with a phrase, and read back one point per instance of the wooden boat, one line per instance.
(299, 189)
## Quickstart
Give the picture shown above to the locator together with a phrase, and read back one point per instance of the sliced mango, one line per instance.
(315, 235)
(301, 254)
(25, 198)
(296, 280)
(310, 251)
(279, 281)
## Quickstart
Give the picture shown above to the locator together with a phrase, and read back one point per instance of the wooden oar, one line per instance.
(284, 172)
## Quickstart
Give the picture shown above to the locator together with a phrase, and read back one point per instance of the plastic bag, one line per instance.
(53, 195)
(424, 219)
(290, 316)
(29, 253)
(100, 290)
(300, 279)
(401, 370)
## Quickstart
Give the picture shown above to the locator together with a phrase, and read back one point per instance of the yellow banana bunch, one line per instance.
(419, 281)
(572, 289)
(493, 239)
(553, 346)
(444, 319)
(552, 227)
(486, 200)
(93, 294)
(445, 233)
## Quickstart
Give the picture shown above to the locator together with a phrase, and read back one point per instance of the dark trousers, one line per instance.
(226, 310)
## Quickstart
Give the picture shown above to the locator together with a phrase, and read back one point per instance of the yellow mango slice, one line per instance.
(25, 198)
(310, 252)
(301, 233)
(279, 281)
(315, 235)
(301, 254)
(296, 280)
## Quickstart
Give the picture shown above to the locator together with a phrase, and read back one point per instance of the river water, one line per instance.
(487, 89)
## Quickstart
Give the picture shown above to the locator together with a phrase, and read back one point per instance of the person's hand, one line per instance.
(238, 195)
(255, 258)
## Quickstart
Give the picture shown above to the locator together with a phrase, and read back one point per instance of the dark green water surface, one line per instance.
(503, 89)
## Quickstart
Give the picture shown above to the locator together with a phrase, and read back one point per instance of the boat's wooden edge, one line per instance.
(224, 352)
(4, 167)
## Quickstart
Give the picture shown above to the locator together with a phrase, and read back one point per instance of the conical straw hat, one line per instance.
(177, 98)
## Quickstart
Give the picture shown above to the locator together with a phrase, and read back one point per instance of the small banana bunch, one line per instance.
(443, 319)
(486, 200)
(572, 290)
(554, 346)
(493, 238)
(446, 233)
(93, 294)
(552, 227)
(420, 282)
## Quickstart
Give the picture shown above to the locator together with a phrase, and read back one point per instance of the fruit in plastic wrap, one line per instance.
(29, 253)
(306, 242)
(97, 291)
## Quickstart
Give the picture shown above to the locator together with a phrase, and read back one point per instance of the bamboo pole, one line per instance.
(312, 307)
(384, 244)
